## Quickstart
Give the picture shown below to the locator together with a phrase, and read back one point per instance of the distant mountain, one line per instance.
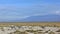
(46, 18)
(39, 18)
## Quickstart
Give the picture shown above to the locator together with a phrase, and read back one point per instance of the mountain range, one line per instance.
(39, 18)
(45, 18)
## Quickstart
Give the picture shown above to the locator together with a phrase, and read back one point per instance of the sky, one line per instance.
(21, 9)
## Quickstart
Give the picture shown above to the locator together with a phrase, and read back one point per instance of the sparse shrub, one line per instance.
(18, 32)
(30, 31)
(40, 33)
(51, 32)
(58, 30)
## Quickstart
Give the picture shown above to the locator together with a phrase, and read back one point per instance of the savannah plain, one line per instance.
(30, 23)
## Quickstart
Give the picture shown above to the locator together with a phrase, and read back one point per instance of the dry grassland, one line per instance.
(32, 24)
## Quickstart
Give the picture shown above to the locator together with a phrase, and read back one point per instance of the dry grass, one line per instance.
(32, 24)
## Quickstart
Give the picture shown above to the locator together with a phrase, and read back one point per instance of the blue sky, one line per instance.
(20, 9)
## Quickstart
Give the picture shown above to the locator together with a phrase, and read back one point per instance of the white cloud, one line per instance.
(58, 12)
(55, 12)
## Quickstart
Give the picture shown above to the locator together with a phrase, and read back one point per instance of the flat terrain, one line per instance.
(31, 24)
(30, 28)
